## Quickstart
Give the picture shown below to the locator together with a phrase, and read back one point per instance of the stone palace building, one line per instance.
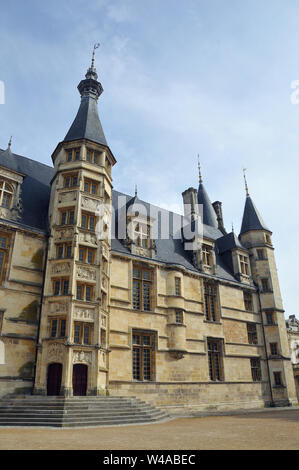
(91, 303)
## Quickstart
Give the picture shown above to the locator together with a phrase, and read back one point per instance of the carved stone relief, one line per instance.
(82, 357)
(84, 314)
(55, 352)
(86, 273)
(61, 268)
(58, 307)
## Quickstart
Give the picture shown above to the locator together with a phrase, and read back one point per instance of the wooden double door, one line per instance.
(80, 375)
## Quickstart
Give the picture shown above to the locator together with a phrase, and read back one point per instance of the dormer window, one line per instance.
(244, 264)
(6, 194)
(141, 235)
(207, 255)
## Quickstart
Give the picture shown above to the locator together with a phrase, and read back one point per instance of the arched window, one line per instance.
(6, 193)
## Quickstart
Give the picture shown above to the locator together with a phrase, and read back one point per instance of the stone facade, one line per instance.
(84, 312)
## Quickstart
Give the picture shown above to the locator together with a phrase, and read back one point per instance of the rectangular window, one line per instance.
(57, 327)
(72, 155)
(143, 355)
(91, 187)
(179, 316)
(277, 379)
(248, 301)
(70, 180)
(256, 373)
(61, 286)
(67, 216)
(84, 292)
(142, 289)
(87, 255)
(274, 349)
(244, 264)
(92, 156)
(82, 333)
(4, 245)
(265, 285)
(270, 318)
(207, 255)
(210, 301)
(215, 360)
(88, 221)
(63, 250)
(252, 333)
(177, 282)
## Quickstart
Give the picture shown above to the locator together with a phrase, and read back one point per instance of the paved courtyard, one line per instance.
(275, 429)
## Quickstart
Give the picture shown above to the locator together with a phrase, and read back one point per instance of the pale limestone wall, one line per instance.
(177, 382)
(20, 300)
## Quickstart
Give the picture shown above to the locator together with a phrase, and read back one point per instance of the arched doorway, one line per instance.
(54, 378)
(80, 372)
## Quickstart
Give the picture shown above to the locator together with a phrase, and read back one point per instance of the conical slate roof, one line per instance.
(209, 214)
(87, 124)
(252, 219)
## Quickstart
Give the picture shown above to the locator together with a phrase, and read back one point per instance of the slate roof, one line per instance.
(209, 215)
(228, 242)
(35, 191)
(252, 219)
(87, 123)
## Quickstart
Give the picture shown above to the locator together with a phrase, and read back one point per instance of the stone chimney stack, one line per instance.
(218, 209)
(190, 203)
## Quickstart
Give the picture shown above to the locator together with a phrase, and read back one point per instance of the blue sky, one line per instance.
(207, 77)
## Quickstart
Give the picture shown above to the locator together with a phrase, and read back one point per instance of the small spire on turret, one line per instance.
(9, 143)
(93, 53)
(246, 186)
(135, 190)
(199, 171)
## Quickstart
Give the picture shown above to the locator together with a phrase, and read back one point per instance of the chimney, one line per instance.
(218, 209)
(190, 203)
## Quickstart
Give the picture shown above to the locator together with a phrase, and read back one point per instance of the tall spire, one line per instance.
(245, 181)
(9, 143)
(252, 220)
(87, 124)
(208, 212)
(199, 170)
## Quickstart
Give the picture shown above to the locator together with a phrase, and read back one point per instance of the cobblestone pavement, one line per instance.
(277, 429)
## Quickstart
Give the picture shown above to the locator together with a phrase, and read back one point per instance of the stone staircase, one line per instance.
(76, 411)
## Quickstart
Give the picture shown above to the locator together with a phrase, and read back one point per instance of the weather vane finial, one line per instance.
(9, 143)
(246, 187)
(199, 170)
(135, 190)
(93, 52)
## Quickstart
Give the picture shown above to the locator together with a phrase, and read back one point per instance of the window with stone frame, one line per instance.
(85, 292)
(215, 358)
(252, 333)
(255, 364)
(70, 180)
(63, 250)
(87, 254)
(244, 264)
(141, 235)
(73, 155)
(260, 254)
(273, 349)
(88, 221)
(93, 156)
(265, 285)
(6, 194)
(277, 379)
(270, 318)
(67, 216)
(61, 286)
(57, 327)
(142, 288)
(143, 352)
(91, 187)
(207, 257)
(179, 316)
(82, 333)
(4, 247)
(210, 301)
(178, 286)
(248, 301)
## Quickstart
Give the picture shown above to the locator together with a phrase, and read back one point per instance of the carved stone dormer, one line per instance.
(139, 230)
